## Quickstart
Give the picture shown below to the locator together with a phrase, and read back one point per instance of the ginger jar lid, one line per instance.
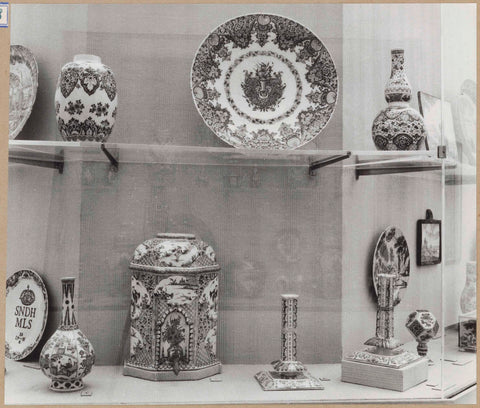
(172, 251)
(87, 58)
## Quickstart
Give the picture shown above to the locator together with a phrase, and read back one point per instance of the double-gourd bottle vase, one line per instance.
(398, 126)
(67, 356)
(86, 100)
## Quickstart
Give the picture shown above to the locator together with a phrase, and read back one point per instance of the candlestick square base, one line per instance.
(274, 381)
(397, 372)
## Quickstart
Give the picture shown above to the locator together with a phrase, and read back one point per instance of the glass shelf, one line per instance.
(463, 174)
(368, 164)
(54, 153)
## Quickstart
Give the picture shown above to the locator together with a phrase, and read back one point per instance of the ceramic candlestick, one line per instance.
(288, 374)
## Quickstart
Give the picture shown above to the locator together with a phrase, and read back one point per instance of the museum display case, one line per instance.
(212, 235)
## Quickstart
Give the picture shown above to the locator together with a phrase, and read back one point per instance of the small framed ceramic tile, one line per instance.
(429, 240)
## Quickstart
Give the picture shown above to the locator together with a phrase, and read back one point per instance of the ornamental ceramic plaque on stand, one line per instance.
(174, 307)
(288, 374)
(384, 364)
(26, 313)
(263, 81)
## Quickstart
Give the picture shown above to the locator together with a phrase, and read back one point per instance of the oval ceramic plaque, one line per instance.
(264, 81)
(23, 88)
(26, 313)
(392, 257)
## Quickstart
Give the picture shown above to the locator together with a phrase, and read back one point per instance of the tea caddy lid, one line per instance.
(174, 252)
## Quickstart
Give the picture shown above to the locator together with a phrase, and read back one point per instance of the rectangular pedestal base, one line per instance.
(272, 381)
(396, 379)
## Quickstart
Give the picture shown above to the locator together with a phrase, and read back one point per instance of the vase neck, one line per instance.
(398, 88)
(398, 62)
(69, 322)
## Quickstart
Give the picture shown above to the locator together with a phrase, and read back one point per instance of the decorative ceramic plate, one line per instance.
(392, 256)
(23, 87)
(26, 314)
(264, 81)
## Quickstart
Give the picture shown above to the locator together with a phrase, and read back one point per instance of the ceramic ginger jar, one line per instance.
(174, 307)
(86, 100)
(398, 126)
(67, 356)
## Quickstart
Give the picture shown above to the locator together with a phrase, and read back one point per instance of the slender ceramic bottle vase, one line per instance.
(468, 298)
(86, 100)
(67, 356)
(398, 126)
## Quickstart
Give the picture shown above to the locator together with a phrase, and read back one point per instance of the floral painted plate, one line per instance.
(392, 256)
(26, 314)
(23, 88)
(263, 81)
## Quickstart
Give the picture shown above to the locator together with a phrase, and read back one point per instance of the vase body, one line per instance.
(86, 100)
(67, 356)
(468, 298)
(174, 307)
(398, 126)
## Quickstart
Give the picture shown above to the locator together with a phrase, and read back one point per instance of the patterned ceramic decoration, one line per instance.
(26, 313)
(68, 355)
(289, 374)
(398, 126)
(392, 257)
(86, 100)
(174, 309)
(384, 327)
(23, 88)
(423, 326)
(369, 356)
(265, 82)
(467, 332)
(468, 298)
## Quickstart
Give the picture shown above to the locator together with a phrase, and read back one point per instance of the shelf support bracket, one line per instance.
(326, 162)
(113, 161)
(51, 161)
(442, 152)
